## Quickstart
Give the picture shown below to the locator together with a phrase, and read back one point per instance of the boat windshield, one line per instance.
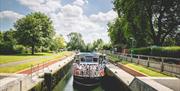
(89, 58)
(95, 60)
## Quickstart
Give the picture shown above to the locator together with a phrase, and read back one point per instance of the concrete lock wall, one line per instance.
(138, 85)
(51, 79)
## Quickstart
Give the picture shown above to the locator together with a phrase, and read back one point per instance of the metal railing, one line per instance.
(155, 62)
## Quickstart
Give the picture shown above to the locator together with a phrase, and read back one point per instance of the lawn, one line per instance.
(19, 57)
(144, 70)
(19, 67)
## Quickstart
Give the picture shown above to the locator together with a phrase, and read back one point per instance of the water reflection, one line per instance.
(107, 84)
(67, 85)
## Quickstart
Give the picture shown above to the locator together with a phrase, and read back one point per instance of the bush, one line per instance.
(6, 48)
(19, 49)
(9, 48)
(173, 51)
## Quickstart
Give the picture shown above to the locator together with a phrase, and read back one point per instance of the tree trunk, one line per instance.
(32, 49)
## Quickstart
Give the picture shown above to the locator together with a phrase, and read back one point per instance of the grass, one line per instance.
(142, 69)
(19, 67)
(20, 57)
(146, 71)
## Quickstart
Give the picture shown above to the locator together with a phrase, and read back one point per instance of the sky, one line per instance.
(88, 17)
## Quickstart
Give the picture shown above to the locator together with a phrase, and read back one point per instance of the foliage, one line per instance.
(58, 43)
(173, 51)
(118, 35)
(149, 21)
(89, 47)
(75, 42)
(107, 46)
(8, 43)
(98, 44)
(1, 36)
(35, 29)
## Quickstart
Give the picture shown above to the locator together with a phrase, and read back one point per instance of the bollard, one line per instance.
(43, 66)
(20, 85)
(38, 69)
(31, 71)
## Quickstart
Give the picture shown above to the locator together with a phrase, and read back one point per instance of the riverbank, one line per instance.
(26, 62)
(24, 82)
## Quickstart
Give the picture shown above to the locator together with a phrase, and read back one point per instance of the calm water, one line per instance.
(107, 84)
(67, 85)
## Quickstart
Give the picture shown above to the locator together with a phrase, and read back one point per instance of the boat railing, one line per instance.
(88, 70)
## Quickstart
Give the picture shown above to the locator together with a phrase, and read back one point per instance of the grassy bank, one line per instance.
(19, 67)
(20, 57)
(142, 69)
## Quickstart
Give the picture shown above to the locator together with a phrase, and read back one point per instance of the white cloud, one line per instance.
(71, 18)
(103, 17)
(46, 6)
(80, 2)
(72, 11)
(10, 15)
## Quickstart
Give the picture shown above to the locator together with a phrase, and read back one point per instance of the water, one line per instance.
(107, 84)
(67, 85)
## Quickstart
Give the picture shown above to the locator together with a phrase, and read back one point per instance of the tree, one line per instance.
(89, 47)
(75, 41)
(177, 38)
(1, 36)
(35, 29)
(98, 44)
(8, 42)
(58, 43)
(118, 33)
(9, 36)
(150, 20)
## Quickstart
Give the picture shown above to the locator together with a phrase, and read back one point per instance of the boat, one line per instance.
(88, 68)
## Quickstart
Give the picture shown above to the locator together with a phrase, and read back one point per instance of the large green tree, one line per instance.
(150, 19)
(118, 33)
(75, 42)
(58, 43)
(35, 29)
(7, 42)
(1, 37)
(98, 44)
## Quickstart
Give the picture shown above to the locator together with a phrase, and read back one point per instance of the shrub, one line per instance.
(173, 51)
(6, 48)
(9, 48)
(19, 49)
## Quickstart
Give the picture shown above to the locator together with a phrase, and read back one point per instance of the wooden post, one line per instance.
(148, 61)
(162, 64)
(138, 59)
(131, 58)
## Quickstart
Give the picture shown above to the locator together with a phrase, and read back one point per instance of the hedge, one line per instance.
(173, 51)
(9, 48)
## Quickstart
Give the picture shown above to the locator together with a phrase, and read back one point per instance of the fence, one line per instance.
(158, 63)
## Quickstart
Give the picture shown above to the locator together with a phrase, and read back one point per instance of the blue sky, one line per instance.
(88, 17)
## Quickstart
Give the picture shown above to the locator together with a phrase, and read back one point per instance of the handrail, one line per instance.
(158, 57)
